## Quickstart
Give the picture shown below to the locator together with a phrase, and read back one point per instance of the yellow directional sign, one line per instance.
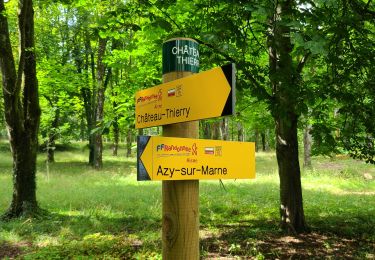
(171, 158)
(204, 95)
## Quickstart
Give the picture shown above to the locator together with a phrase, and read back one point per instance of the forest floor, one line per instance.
(108, 214)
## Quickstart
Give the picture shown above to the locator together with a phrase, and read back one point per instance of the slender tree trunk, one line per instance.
(206, 129)
(307, 140)
(82, 134)
(116, 135)
(116, 129)
(225, 128)
(129, 143)
(98, 140)
(240, 133)
(88, 94)
(267, 137)
(51, 148)
(284, 79)
(216, 131)
(52, 138)
(20, 93)
(263, 137)
(256, 134)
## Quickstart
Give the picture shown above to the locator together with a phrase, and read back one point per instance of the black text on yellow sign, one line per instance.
(204, 95)
(171, 158)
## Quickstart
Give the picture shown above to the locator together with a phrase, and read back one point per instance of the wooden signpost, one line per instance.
(179, 158)
(180, 209)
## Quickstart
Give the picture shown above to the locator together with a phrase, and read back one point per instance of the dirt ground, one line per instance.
(306, 246)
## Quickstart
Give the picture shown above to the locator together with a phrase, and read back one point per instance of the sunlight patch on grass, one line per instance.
(47, 240)
(10, 236)
(337, 185)
(108, 214)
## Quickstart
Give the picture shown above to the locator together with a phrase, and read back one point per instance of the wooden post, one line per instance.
(180, 230)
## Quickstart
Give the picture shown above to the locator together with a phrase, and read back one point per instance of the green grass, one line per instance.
(108, 214)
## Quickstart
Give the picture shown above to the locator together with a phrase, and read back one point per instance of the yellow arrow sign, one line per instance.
(203, 95)
(171, 158)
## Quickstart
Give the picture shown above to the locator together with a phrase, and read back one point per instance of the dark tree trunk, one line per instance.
(263, 137)
(284, 77)
(129, 143)
(206, 129)
(291, 208)
(256, 134)
(240, 132)
(82, 134)
(307, 140)
(116, 129)
(116, 135)
(20, 92)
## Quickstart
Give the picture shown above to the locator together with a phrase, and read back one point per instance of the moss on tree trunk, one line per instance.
(22, 116)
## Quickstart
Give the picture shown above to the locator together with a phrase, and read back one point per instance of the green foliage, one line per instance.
(59, 85)
(345, 80)
(335, 36)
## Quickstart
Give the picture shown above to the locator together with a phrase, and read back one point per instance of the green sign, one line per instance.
(180, 55)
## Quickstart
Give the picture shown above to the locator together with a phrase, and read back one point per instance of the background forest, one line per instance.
(331, 50)
(305, 95)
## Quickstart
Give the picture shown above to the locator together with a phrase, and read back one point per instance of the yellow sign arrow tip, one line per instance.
(146, 158)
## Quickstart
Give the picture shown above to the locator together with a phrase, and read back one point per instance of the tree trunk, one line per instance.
(291, 208)
(116, 135)
(51, 149)
(20, 93)
(267, 137)
(216, 131)
(240, 133)
(206, 129)
(307, 140)
(256, 134)
(263, 137)
(82, 135)
(129, 143)
(225, 128)
(98, 140)
(284, 77)
(51, 142)
(87, 94)
(116, 129)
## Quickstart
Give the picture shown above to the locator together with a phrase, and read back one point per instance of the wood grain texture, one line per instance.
(180, 229)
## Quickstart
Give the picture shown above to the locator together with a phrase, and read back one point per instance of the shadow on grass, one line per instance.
(263, 238)
(74, 236)
(82, 225)
(341, 226)
(12, 250)
(239, 221)
(72, 166)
